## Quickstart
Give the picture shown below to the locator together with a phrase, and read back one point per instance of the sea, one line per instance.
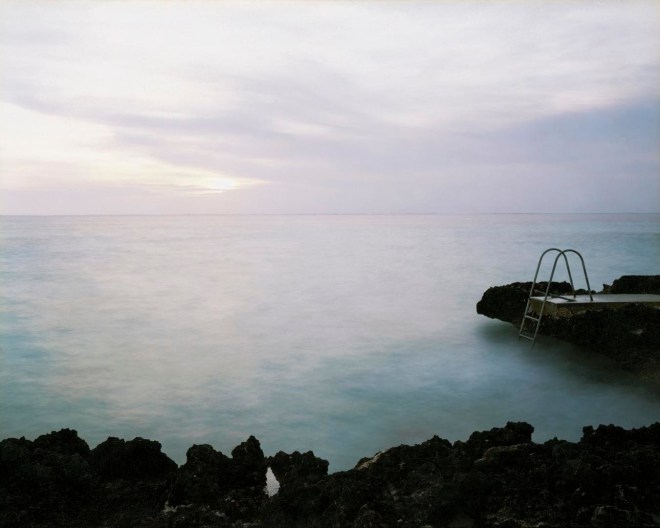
(341, 335)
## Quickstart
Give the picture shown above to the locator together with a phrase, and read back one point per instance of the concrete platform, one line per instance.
(565, 306)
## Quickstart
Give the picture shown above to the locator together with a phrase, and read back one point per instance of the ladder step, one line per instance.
(525, 336)
(536, 319)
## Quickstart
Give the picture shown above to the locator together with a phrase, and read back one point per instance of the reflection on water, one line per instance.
(343, 335)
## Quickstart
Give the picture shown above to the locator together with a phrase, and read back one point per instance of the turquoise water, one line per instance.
(340, 334)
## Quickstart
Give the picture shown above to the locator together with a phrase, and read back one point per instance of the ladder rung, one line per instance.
(531, 338)
(532, 318)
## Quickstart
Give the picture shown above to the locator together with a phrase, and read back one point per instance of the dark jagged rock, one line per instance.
(64, 442)
(222, 487)
(629, 335)
(496, 478)
(635, 284)
(44, 480)
(137, 459)
(249, 465)
(297, 469)
(203, 478)
(507, 303)
(133, 479)
(514, 433)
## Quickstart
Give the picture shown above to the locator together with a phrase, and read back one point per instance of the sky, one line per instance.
(329, 107)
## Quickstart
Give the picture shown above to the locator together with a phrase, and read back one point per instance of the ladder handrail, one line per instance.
(560, 253)
(533, 286)
(584, 269)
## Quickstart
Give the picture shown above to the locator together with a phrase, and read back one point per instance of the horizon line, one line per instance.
(327, 214)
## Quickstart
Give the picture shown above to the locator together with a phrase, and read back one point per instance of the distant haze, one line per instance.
(329, 107)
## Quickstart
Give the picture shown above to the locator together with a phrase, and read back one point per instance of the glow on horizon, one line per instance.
(171, 107)
(58, 151)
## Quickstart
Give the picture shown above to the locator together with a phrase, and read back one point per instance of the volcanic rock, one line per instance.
(496, 478)
(297, 469)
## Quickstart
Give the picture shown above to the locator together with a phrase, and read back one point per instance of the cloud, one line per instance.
(339, 107)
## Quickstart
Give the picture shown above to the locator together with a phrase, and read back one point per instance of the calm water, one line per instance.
(340, 334)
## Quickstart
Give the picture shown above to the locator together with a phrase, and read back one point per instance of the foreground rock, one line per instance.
(497, 478)
(630, 335)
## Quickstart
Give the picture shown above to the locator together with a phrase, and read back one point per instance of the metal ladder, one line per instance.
(534, 318)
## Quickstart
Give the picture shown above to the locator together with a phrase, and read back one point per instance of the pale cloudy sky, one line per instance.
(113, 107)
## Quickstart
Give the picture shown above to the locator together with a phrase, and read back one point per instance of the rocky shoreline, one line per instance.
(497, 478)
(630, 335)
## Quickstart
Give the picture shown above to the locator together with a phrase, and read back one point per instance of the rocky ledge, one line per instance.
(497, 478)
(630, 335)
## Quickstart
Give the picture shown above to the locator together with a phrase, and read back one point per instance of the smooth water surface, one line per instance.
(338, 334)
